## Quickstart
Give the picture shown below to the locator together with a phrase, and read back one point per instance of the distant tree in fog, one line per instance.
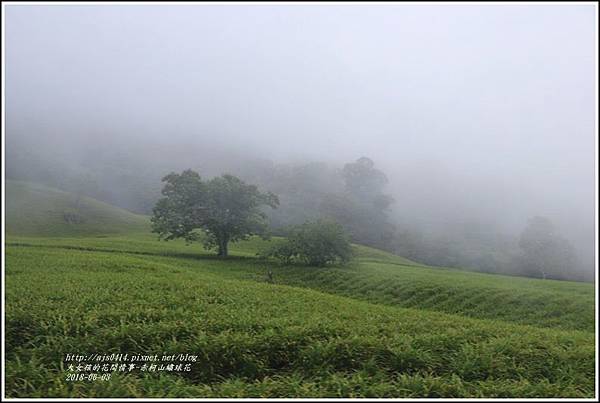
(364, 181)
(544, 251)
(363, 208)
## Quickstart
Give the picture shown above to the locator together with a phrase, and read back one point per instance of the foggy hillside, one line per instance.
(480, 117)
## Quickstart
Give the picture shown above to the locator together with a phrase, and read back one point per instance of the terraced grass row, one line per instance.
(258, 339)
(524, 301)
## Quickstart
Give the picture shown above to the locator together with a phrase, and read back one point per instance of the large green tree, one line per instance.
(224, 208)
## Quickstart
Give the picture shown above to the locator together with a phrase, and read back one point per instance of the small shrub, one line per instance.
(315, 243)
(72, 217)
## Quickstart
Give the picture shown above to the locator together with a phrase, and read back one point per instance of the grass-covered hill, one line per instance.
(33, 209)
(382, 326)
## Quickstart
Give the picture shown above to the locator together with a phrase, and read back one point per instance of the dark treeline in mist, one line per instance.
(354, 194)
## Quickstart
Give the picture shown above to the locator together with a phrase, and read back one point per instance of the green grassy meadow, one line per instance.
(381, 326)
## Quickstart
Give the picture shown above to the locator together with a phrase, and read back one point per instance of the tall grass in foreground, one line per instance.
(268, 340)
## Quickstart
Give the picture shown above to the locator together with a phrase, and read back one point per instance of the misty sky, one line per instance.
(472, 105)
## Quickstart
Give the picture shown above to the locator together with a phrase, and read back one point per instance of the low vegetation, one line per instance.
(260, 339)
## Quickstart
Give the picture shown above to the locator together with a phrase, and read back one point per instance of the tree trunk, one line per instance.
(223, 247)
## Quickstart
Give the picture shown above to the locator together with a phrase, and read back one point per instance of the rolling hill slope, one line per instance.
(33, 209)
